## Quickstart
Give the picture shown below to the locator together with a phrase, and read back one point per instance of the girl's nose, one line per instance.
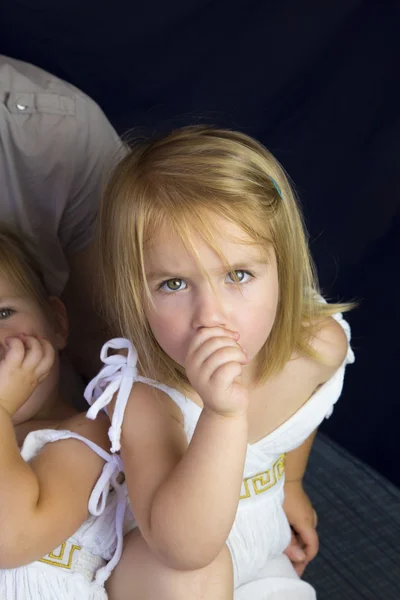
(209, 311)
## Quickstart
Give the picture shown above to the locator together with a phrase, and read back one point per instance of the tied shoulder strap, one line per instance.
(108, 479)
(116, 377)
(97, 503)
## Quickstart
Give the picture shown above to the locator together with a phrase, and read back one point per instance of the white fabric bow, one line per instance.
(118, 374)
(97, 503)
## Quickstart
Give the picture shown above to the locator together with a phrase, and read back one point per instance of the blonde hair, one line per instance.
(20, 267)
(187, 179)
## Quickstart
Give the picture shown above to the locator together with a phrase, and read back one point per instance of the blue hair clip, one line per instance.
(276, 186)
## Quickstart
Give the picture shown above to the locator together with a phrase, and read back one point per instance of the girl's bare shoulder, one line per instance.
(148, 400)
(330, 342)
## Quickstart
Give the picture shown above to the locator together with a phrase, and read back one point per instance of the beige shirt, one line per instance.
(56, 150)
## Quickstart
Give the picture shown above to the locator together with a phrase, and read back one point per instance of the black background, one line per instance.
(318, 84)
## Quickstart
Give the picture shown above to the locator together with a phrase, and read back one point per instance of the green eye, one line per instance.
(173, 285)
(239, 276)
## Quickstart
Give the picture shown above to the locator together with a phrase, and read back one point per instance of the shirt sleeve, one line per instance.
(56, 150)
(95, 150)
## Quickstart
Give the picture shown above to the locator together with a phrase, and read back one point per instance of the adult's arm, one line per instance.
(97, 149)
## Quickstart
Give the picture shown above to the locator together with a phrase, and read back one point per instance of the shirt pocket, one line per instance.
(25, 103)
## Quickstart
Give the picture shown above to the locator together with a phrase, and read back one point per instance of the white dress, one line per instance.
(78, 568)
(261, 532)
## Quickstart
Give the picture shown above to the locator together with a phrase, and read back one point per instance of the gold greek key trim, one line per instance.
(57, 562)
(59, 556)
(261, 482)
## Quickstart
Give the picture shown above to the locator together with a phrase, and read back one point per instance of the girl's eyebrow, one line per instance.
(242, 265)
(152, 275)
(237, 266)
(9, 299)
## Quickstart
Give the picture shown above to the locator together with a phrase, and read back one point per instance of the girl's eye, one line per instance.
(5, 313)
(173, 285)
(239, 277)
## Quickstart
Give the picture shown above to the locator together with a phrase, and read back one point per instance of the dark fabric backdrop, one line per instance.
(317, 82)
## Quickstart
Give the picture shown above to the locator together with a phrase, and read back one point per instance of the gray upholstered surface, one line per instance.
(359, 527)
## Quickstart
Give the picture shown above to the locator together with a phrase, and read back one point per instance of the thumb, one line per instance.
(310, 539)
(294, 551)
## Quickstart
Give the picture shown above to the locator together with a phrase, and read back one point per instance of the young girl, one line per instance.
(237, 362)
(59, 523)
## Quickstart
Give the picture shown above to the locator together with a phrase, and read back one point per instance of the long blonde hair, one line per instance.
(187, 179)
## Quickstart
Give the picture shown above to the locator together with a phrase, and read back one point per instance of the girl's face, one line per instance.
(20, 313)
(185, 301)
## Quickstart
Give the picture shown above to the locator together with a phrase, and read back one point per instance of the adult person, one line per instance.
(56, 150)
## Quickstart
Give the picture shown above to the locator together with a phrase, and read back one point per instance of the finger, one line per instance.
(294, 551)
(221, 357)
(206, 333)
(226, 375)
(47, 361)
(310, 540)
(209, 347)
(39, 356)
(15, 351)
(33, 353)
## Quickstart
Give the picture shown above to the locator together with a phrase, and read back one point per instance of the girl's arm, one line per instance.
(42, 503)
(185, 498)
(331, 344)
(296, 460)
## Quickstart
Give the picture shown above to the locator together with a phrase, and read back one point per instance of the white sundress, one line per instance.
(261, 531)
(78, 568)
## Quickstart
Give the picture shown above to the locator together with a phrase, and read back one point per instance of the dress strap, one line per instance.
(113, 467)
(98, 498)
(116, 377)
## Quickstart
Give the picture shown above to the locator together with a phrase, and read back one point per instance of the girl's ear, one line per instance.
(60, 322)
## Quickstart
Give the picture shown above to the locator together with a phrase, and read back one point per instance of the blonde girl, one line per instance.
(231, 361)
(61, 525)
